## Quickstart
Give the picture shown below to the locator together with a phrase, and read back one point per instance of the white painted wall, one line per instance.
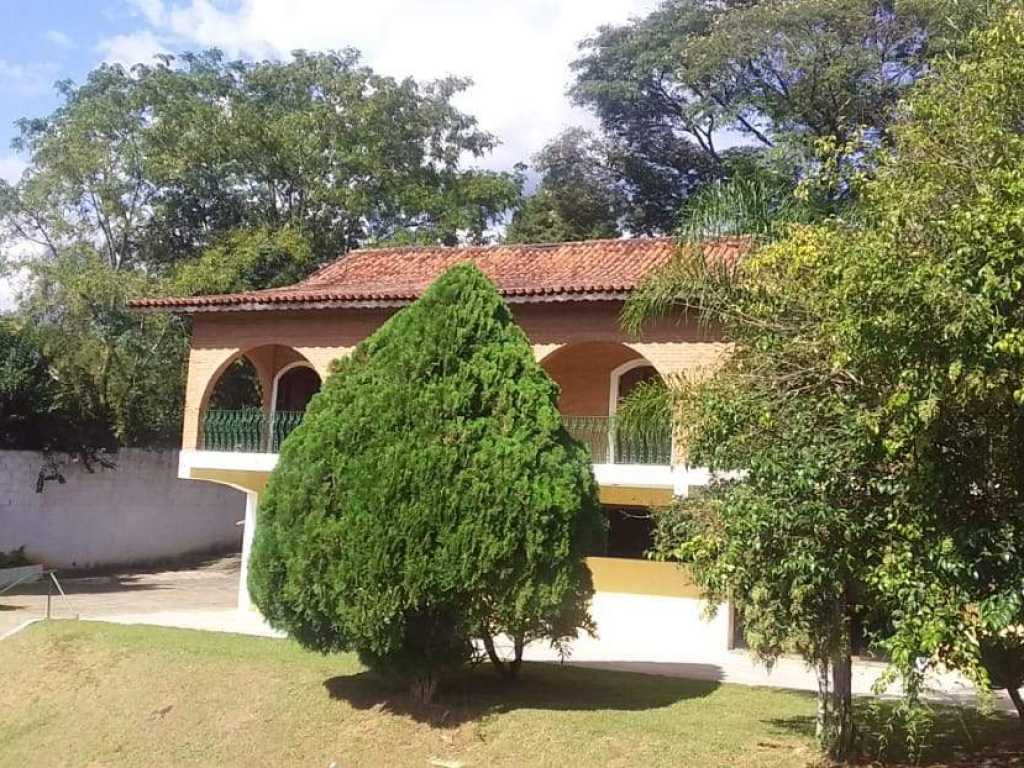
(646, 628)
(139, 512)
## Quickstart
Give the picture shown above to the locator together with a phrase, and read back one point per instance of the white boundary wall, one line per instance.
(137, 513)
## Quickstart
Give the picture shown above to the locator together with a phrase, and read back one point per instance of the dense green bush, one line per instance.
(430, 496)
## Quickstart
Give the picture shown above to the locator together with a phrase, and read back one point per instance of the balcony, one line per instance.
(252, 431)
(247, 431)
(611, 446)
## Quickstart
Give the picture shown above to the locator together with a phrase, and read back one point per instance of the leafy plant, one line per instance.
(872, 405)
(430, 496)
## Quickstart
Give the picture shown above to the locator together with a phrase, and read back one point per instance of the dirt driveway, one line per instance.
(198, 585)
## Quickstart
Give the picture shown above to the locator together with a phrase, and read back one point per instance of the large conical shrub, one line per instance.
(430, 496)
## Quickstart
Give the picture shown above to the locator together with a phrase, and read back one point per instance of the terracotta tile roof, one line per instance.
(579, 271)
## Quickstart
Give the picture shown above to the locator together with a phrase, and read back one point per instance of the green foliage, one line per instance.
(872, 400)
(116, 375)
(244, 261)
(37, 412)
(199, 175)
(159, 163)
(593, 187)
(576, 199)
(430, 496)
(668, 87)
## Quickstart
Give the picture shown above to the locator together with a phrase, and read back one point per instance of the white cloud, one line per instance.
(24, 79)
(517, 51)
(151, 10)
(11, 166)
(134, 48)
(58, 38)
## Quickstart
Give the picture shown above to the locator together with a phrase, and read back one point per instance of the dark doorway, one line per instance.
(296, 388)
(630, 531)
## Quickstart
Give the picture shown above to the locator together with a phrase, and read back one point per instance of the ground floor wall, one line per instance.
(634, 629)
(138, 512)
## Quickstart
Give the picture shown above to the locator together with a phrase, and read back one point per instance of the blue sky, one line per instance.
(42, 42)
(517, 51)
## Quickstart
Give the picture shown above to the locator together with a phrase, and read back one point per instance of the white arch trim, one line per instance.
(616, 376)
(282, 372)
(613, 392)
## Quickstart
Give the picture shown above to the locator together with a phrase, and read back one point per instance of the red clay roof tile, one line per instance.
(578, 271)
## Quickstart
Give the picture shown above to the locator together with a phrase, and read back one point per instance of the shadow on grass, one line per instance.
(479, 692)
(959, 737)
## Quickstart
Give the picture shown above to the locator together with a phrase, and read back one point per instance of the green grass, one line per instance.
(87, 694)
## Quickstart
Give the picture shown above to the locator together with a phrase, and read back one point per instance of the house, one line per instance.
(567, 298)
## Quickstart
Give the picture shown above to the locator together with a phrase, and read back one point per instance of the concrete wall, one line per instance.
(139, 512)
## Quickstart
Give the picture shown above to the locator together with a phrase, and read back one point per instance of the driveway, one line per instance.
(203, 585)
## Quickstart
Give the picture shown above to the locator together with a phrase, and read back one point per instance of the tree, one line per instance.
(198, 175)
(246, 260)
(157, 163)
(118, 375)
(873, 405)
(577, 199)
(673, 88)
(430, 496)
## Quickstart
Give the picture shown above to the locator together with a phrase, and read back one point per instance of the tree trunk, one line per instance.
(1018, 702)
(507, 669)
(842, 703)
(834, 722)
(423, 688)
(519, 643)
(821, 718)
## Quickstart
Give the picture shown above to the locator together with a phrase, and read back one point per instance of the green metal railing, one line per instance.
(247, 431)
(252, 431)
(610, 445)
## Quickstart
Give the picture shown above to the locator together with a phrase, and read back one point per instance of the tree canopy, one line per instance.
(688, 95)
(873, 403)
(430, 496)
(197, 174)
(155, 163)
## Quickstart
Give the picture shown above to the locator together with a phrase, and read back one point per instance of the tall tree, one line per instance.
(873, 403)
(578, 197)
(154, 163)
(431, 496)
(676, 90)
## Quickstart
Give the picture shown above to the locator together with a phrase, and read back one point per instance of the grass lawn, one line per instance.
(89, 694)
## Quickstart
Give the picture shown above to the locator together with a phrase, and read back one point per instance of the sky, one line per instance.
(516, 51)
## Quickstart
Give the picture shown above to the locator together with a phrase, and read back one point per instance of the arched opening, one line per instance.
(294, 387)
(257, 399)
(594, 377)
(237, 388)
(634, 443)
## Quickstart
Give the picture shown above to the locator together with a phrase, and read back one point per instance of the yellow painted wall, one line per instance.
(610, 574)
(641, 577)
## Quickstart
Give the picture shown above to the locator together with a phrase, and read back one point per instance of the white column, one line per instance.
(249, 528)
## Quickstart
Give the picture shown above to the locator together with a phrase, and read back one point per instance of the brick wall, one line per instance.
(321, 336)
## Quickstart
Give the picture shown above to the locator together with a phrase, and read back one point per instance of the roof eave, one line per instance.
(253, 306)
